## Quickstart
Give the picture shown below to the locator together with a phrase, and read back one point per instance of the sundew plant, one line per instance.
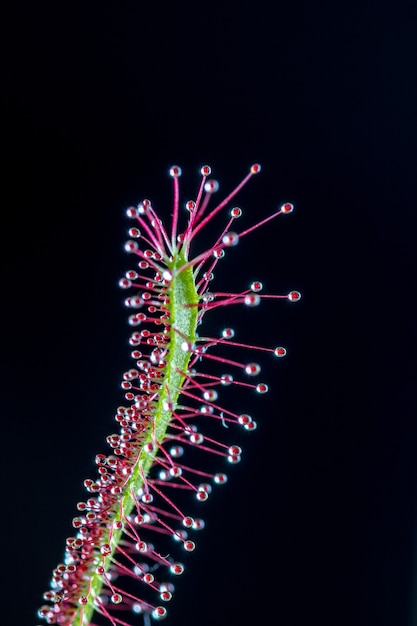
(174, 431)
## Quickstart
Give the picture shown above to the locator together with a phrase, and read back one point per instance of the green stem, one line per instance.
(183, 319)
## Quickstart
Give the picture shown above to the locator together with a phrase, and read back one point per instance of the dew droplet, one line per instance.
(210, 395)
(159, 612)
(211, 186)
(180, 535)
(175, 171)
(166, 596)
(132, 212)
(135, 302)
(205, 487)
(176, 451)
(177, 568)
(252, 299)
(206, 409)
(294, 296)
(236, 212)
(218, 253)
(256, 285)
(187, 346)
(230, 239)
(77, 522)
(252, 369)
(196, 438)
(198, 524)
(287, 207)
(167, 275)
(188, 521)
(125, 283)
(131, 246)
(148, 578)
(116, 598)
(220, 478)
(280, 351)
(44, 610)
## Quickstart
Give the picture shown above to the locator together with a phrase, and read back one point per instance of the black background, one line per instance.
(317, 526)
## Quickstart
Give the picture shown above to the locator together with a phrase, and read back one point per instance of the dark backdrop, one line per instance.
(317, 526)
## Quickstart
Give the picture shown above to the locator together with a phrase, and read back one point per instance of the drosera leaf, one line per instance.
(112, 571)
